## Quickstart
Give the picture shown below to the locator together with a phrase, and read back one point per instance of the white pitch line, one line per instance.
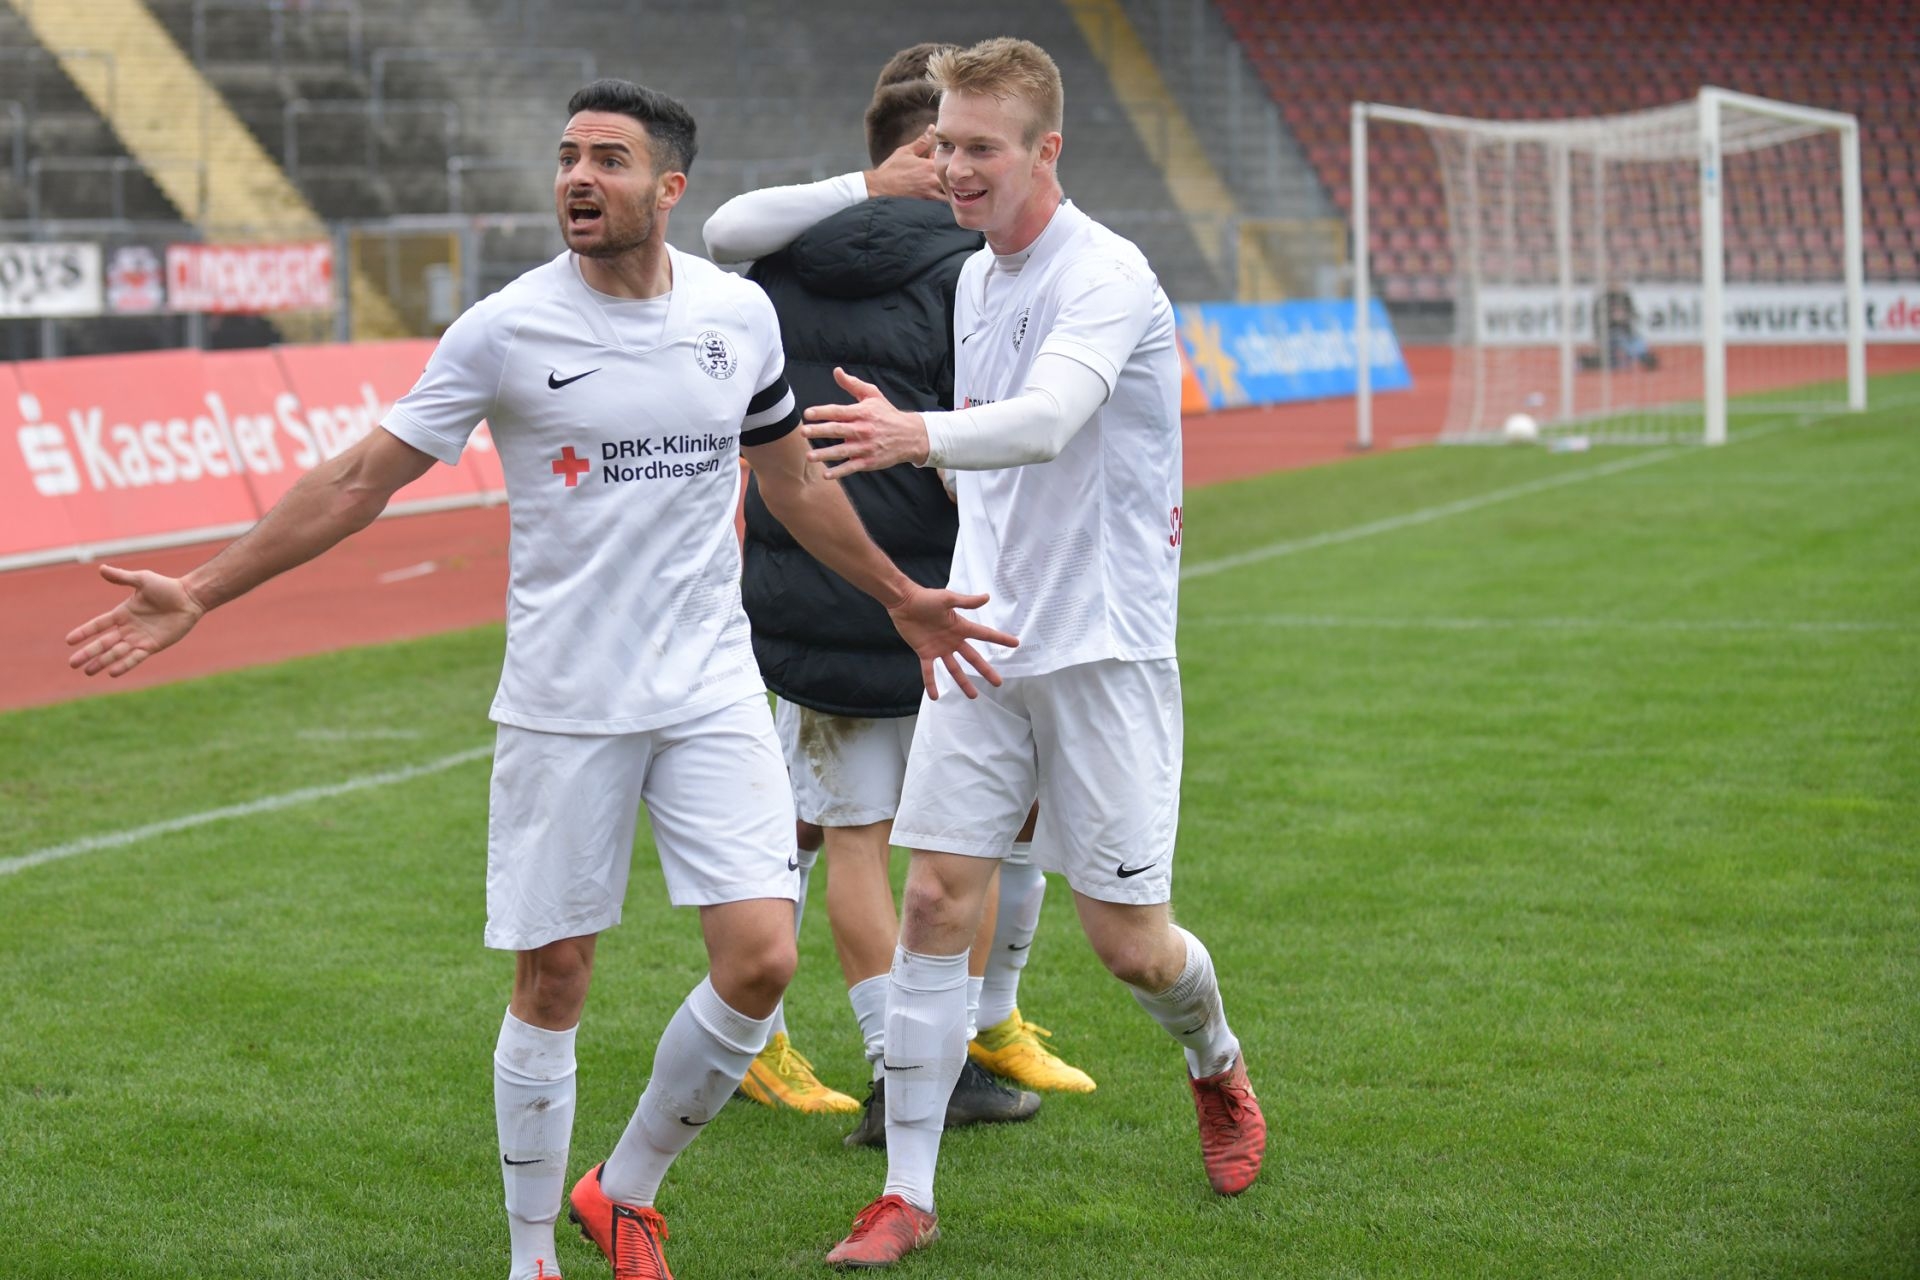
(358, 735)
(1427, 515)
(266, 804)
(420, 570)
(1303, 621)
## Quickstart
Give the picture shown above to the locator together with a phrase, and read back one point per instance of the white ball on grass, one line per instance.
(1520, 428)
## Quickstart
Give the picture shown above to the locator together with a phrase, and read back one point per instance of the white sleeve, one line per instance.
(1061, 393)
(772, 412)
(757, 223)
(1106, 305)
(456, 390)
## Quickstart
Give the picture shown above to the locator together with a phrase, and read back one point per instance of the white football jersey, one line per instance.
(622, 469)
(1080, 554)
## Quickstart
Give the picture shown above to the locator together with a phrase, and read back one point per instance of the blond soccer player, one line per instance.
(1067, 451)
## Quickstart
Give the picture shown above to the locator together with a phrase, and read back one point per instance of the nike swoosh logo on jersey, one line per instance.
(1124, 871)
(970, 337)
(555, 381)
(512, 1161)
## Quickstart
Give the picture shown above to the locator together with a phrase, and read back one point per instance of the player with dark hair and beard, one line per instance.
(622, 382)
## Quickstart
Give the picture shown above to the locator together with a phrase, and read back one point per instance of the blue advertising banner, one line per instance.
(1275, 352)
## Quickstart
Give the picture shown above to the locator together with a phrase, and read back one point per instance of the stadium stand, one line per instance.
(1505, 59)
(386, 111)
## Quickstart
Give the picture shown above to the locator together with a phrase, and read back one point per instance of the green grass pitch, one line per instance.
(1554, 822)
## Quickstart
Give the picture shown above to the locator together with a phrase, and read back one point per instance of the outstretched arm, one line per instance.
(816, 511)
(339, 497)
(757, 223)
(1059, 398)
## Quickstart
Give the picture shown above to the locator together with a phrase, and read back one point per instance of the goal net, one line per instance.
(1633, 277)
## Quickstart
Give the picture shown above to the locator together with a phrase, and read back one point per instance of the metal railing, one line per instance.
(17, 118)
(56, 57)
(470, 58)
(376, 114)
(306, 10)
(119, 167)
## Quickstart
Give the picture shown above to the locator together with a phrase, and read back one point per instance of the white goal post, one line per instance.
(1630, 277)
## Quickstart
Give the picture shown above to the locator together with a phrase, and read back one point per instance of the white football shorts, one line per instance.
(846, 770)
(564, 807)
(1099, 744)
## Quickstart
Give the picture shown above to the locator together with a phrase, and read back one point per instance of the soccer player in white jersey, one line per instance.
(622, 381)
(1068, 461)
(864, 279)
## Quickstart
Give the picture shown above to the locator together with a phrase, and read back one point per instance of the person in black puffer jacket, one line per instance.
(861, 270)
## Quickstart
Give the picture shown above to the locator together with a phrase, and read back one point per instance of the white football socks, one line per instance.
(926, 1045)
(869, 1001)
(973, 1004)
(1191, 1012)
(1023, 887)
(705, 1050)
(805, 858)
(533, 1095)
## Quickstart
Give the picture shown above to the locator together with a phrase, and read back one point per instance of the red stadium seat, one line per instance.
(1570, 57)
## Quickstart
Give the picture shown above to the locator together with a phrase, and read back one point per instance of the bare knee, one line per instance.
(936, 919)
(751, 974)
(550, 983)
(1139, 962)
(1139, 945)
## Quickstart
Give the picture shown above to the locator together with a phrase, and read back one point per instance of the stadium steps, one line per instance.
(773, 95)
(192, 146)
(1171, 141)
(1283, 201)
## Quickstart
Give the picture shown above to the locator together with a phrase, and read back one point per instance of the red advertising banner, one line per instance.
(108, 452)
(345, 390)
(250, 278)
(128, 447)
(34, 477)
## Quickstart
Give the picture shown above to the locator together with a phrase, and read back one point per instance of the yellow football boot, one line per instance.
(781, 1077)
(1011, 1049)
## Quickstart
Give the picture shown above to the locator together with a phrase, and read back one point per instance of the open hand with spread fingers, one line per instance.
(867, 435)
(159, 612)
(927, 621)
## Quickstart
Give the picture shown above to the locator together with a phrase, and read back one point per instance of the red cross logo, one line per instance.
(571, 465)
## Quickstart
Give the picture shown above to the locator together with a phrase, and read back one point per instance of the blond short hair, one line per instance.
(1005, 68)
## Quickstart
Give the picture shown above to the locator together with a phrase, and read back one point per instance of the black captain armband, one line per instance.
(771, 413)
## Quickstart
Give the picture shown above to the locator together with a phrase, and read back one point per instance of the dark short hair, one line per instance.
(899, 113)
(909, 64)
(669, 125)
(904, 100)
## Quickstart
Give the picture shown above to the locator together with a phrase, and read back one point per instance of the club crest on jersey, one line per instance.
(1020, 327)
(715, 355)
